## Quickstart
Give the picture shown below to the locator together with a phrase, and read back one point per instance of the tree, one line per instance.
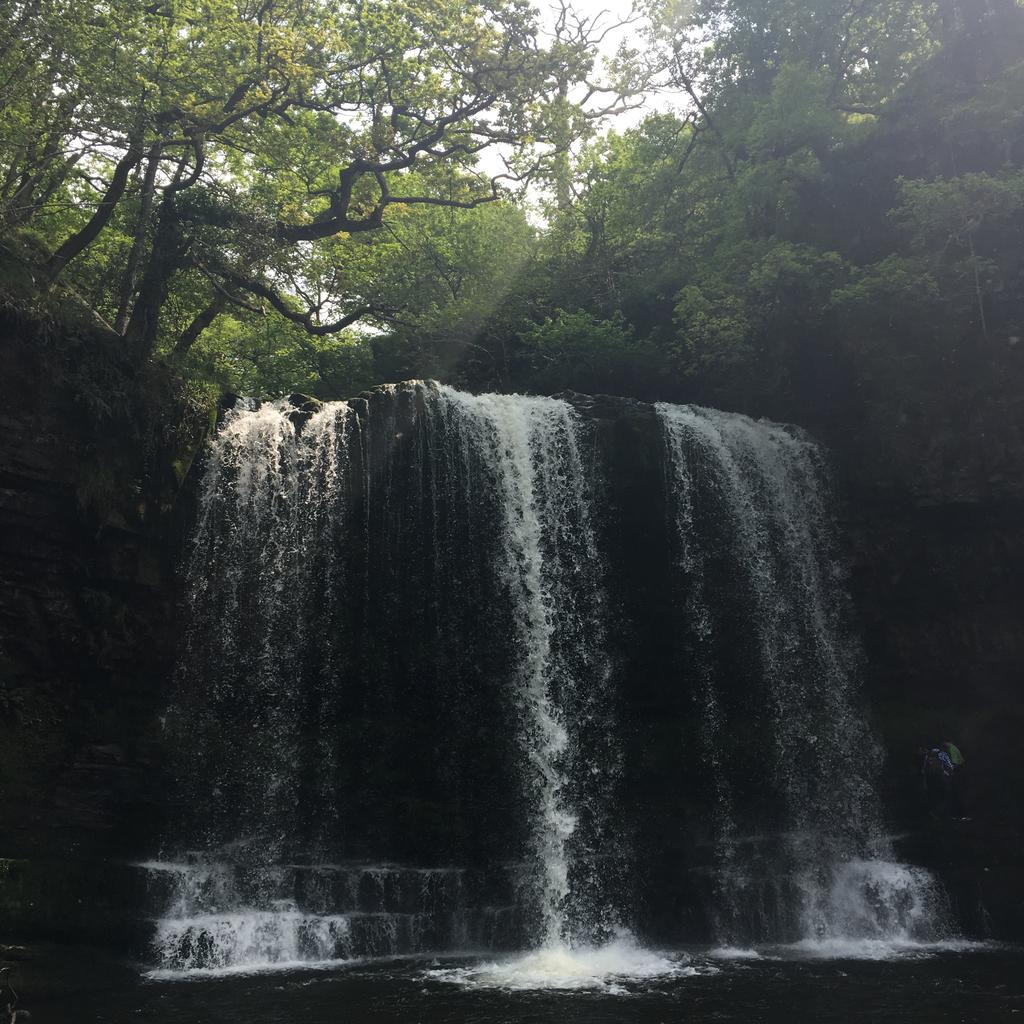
(443, 270)
(235, 143)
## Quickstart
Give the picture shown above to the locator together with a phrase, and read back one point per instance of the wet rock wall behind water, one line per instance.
(935, 583)
(92, 451)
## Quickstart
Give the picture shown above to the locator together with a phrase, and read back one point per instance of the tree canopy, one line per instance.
(174, 159)
(834, 198)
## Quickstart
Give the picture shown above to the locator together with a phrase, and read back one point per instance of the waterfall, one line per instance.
(754, 543)
(266, 550)
(414, 579)
(414, 712)
(549, 563)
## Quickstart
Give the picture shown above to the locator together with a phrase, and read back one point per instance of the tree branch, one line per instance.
(304, 320)
(203, 319)
(81, 240)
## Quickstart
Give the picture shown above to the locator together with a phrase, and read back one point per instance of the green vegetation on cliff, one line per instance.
(313, 196)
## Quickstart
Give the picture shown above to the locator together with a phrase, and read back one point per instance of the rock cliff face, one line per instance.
(92, 455)
(932, 493)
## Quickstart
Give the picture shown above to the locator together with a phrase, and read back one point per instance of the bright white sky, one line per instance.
(610, 12)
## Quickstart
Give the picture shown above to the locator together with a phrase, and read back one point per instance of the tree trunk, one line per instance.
(169, 255)
(131, 271)
(81, 240)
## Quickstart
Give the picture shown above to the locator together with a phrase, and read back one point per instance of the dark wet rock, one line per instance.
(92, 453)
(305, 403)
(303, 407)
(933, 511)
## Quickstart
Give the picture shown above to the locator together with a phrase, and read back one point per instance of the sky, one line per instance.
(608, 13)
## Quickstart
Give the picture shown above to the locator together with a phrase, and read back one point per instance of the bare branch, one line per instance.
(304, 320)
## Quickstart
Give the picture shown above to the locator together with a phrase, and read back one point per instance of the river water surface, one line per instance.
(922, 985)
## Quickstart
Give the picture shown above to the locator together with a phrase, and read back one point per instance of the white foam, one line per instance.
(196, 973)
(878, 949)
(609, 968)
(872, 901)
(734, 953)
(250, 939)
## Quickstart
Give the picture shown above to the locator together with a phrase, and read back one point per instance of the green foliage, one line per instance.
(714, 335)
(262, 357)
(176, 160)
(841, 198)
(574, 350)
(845, 193)
(952, 211)
(888, 296)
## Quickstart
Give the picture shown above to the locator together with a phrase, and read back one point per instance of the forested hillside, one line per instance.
(306, 196)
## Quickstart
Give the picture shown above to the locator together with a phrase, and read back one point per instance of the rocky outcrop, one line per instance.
(92, 455)
(92, 451)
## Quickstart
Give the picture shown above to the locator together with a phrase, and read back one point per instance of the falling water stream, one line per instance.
(766, 486)
(398, 719)
(550, 565)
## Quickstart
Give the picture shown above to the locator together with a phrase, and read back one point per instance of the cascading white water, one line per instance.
(689, 565)
(766, 482)
(265, 548)
(241, 557)
(551, 568)
(268, 586)
(400, 620)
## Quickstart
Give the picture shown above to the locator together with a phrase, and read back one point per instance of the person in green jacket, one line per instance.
(954, 753)
(955, 783)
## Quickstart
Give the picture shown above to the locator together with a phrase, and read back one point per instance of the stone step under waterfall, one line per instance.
(215, 914)
(203, 885)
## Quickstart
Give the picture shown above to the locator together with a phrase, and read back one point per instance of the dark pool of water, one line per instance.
(981, 985)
